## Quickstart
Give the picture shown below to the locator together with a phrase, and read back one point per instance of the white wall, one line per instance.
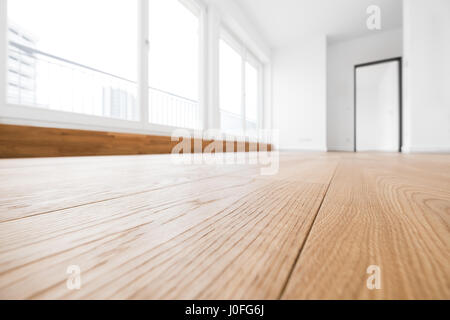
(427, 75)
(342, 57)
(299, 95)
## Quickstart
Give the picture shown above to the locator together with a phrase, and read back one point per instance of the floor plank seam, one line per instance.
(307, 236)
(118, 197)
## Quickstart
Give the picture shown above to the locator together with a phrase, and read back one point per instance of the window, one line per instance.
(174, 64)
(230, 88)
(251, 98)
(128, 64)
(63, 55)
(239, 78)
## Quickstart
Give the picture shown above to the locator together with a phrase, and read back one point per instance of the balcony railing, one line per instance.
(170, 109)
(40, 79)
(231, 123)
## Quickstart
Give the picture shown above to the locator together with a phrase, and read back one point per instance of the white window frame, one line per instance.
(253, 60)
(246, 56)
(3, 51)
(198, 8)
(32, 115)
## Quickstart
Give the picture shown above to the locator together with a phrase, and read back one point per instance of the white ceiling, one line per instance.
(284, 21)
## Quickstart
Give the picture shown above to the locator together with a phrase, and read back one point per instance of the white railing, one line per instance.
(39, 79)
(232, 123)
(170, 109)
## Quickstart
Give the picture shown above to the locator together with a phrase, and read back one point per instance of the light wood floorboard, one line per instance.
(141, 227)
(391, 211)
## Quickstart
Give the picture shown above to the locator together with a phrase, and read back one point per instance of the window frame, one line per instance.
(254, 62)
(198, 9)
(11, 113)
(30, 114)
(211, 26)
(229, 40)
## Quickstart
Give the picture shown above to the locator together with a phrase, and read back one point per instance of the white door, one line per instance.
(378, 107)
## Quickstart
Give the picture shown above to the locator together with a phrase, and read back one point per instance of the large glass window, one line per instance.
(238, 89)
(230, 88)
(251, 98)
(174, 64)
(74, 55)
(83, 56)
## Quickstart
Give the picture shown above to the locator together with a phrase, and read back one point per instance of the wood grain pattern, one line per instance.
(175, 241)
(392, 211)
(78, 181)
(141, 227)
(32, 142)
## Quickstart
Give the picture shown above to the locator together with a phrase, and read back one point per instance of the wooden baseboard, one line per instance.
(33, 142)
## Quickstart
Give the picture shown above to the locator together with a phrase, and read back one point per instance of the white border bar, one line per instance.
(3, 50)
(143, 52)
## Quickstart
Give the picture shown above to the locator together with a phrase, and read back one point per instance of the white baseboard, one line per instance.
(303, 150)
(341, 149)
(444, 150)
(418, 149)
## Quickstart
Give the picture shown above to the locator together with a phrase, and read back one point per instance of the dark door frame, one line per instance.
(400, 87)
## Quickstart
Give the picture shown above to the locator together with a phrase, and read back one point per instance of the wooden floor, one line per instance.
(141, 227)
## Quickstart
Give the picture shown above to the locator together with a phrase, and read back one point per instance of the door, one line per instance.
(378, 106)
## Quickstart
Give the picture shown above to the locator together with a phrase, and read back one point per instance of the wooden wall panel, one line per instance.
(31, 142)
